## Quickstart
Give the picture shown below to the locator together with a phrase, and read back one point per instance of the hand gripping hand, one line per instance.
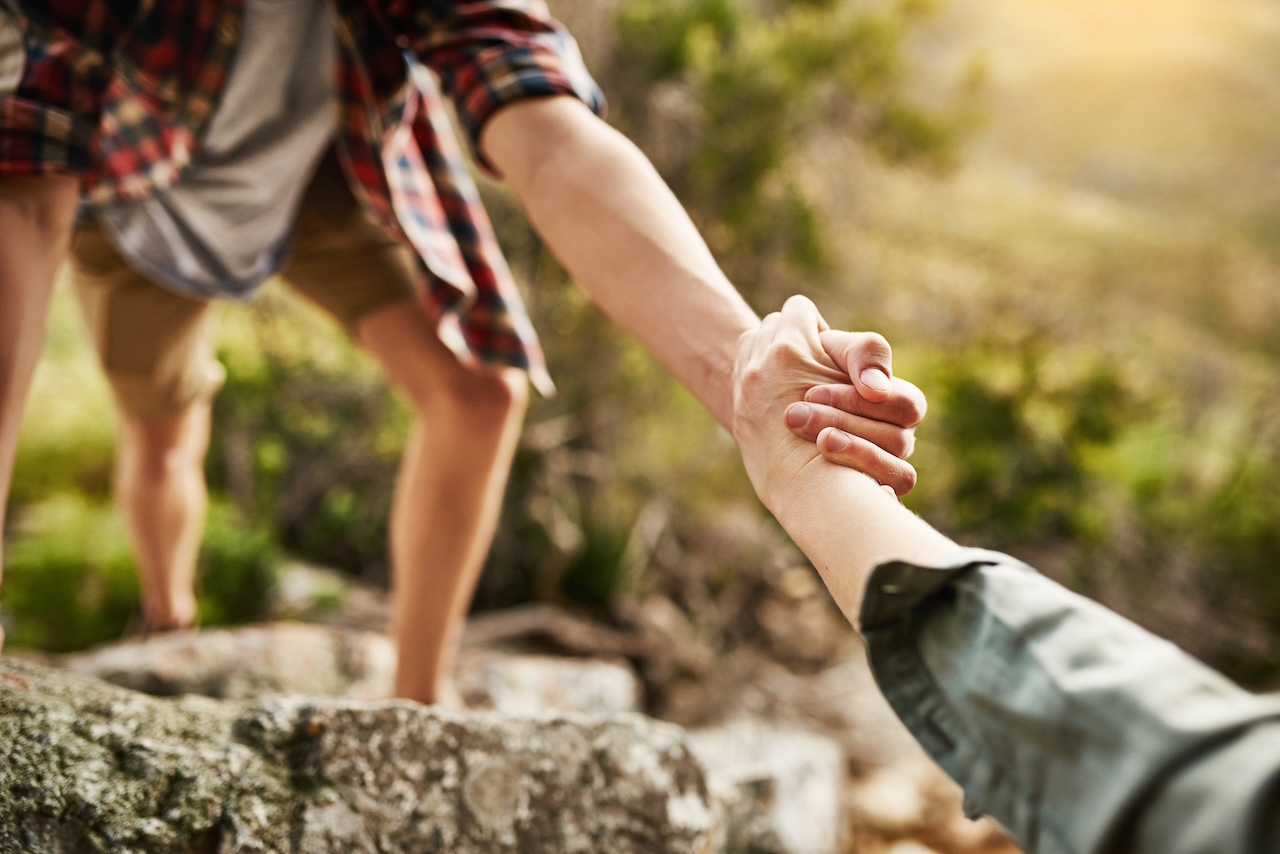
(867, 421)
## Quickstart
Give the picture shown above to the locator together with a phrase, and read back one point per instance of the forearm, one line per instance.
(631, 246)
(846, 524)
(35, 226)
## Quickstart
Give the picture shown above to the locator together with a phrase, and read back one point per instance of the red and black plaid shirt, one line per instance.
(121, 90)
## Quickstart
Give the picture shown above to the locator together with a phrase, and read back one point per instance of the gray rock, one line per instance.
(529, 684)
(248, 662)
(297, 658)
(394, 777)
(781, 786)
(92, 767)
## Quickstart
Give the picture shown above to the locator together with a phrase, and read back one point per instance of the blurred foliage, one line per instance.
(70, 583)
(1101, 366)
(307, 436)
(69, 579)
(237, 569)
(723, 95)
(1017, 425)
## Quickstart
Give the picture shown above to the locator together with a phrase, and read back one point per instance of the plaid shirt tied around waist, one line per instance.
(121, 90)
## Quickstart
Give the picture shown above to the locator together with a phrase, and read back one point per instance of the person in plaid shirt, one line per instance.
(113, 102)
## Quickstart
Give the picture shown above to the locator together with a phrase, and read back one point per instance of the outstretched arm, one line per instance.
(615, 225)
(36, 216)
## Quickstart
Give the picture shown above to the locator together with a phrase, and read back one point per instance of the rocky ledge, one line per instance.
(93, 767)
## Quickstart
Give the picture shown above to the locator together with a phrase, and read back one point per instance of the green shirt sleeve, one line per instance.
(1060, 719)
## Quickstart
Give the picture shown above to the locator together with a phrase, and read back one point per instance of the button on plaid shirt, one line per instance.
(121, 90)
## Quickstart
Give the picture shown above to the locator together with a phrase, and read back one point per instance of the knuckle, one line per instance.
(846, 397)
(907, 480)
(899, 444)
(876, 344)
(912, 411)
(753, 376)
(789, 352)
(908, 402)
(865, 454)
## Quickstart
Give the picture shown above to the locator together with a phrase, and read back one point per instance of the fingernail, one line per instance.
(798, 415)
(875, 378)
(837, 441)
(819, 395)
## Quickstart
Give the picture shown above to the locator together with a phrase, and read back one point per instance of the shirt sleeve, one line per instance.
(1063, 721)
(493, 53)
(53, 76)
(1225, 800)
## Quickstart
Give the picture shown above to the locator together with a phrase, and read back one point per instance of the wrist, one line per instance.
(794, 485)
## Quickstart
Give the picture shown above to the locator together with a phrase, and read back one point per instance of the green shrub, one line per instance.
(1015, 425)
(69, 580)
(238, 568)
(307, 435)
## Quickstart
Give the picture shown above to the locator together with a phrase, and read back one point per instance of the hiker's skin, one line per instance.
(1074, 728)
(157, 349)
(529, 110)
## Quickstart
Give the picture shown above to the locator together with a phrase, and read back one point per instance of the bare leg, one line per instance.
(161, 488)
(449, 492)
(36, 216)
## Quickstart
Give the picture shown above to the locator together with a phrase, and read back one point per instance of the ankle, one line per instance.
(170, 615)
(442, 694)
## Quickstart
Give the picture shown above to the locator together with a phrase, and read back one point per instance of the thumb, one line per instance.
(866, 357)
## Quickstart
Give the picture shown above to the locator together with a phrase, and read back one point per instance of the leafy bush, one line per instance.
(724, 96)
(69, 579)
(238, 568)
(1015, 425)
(307, 435)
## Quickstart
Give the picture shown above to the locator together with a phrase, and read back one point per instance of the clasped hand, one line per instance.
(803, 392)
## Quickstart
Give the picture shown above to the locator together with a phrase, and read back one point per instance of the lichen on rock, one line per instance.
(92, 767)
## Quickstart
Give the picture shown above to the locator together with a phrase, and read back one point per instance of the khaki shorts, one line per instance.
(157, 347)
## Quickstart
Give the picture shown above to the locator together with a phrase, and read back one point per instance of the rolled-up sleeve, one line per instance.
(1060, 719)
(493, 53)
(53, 75)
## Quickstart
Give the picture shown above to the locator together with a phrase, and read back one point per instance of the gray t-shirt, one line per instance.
(226, 225)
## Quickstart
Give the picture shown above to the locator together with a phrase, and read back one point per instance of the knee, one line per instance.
(154, 452)
(477, 397)
(495, 393)
(154, 463)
